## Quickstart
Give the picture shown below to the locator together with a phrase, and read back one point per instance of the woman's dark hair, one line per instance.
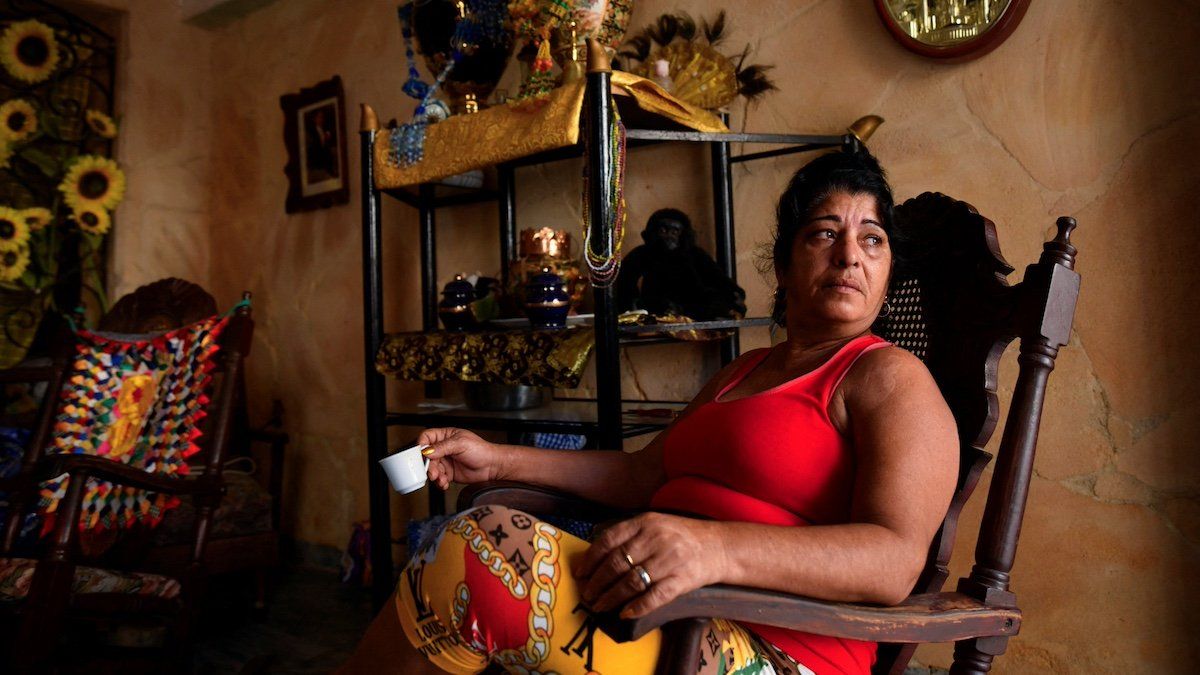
(851, 172)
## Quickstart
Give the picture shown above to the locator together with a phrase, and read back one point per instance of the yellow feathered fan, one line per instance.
(700, 74)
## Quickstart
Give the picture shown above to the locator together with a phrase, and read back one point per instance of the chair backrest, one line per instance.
(949, 297)
(953, 307)
(158, 306)
(166, 304)
(163, 305)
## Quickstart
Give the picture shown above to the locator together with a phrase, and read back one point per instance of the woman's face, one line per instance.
(840, 265)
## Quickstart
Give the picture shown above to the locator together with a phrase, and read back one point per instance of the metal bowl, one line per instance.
(487, 396)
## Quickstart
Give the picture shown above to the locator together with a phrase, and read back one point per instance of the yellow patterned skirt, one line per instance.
(495, 586)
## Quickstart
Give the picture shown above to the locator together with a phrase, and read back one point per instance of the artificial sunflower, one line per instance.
(13, 264)
(28, 51)
(93, 219)
(18, 120)
(93, 181)
(14, 233)
(36, 218)
(102, 124)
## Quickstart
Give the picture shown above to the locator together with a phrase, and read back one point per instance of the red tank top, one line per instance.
(773, 458)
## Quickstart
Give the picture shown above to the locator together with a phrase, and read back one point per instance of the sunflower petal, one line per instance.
(18, 120)
(93, 181)
(29, 51)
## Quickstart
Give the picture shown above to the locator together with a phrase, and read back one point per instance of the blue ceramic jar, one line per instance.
(546, 300)
(455, 307)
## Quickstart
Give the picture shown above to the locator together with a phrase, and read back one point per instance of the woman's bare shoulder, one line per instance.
(744, 358)
(886, 373)
(750, 355)
(724, 375)
(895, 409)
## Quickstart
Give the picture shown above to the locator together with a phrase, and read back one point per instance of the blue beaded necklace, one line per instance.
(483, 20)
(407, 141)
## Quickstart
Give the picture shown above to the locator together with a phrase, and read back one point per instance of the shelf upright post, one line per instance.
(598, 117)
(376, 400)
(429, 289)
(507, 198)
(429, 300)
(722, 182)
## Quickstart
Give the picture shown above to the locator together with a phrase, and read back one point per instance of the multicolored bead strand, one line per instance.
(603, 266)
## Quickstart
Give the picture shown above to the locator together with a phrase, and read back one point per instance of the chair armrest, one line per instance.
(98, 467)
(534, 499)
(931, 617)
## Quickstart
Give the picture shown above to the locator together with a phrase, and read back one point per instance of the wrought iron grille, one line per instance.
(70, 268)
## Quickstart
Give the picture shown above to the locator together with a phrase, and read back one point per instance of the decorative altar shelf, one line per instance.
(544, 358)
(552, 357)
(506, 132)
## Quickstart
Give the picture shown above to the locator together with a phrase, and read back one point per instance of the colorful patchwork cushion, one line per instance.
(16, 574)
(134, 399)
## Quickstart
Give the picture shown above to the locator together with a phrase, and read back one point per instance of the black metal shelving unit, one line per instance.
(603, 419)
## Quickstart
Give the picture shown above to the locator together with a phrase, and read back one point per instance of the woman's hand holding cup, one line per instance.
(460, 456)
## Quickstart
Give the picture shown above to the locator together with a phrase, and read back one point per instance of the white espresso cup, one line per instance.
(407, 470)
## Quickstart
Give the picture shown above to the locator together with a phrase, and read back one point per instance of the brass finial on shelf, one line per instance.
(864, 127)
(597, 58)
(369, 120)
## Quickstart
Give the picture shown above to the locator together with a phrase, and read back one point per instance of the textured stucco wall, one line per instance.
(164, 85)
(1090, 109)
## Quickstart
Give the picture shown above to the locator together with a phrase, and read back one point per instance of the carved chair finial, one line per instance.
(1059, 249)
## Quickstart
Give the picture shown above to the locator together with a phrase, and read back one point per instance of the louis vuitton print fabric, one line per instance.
(495, 586)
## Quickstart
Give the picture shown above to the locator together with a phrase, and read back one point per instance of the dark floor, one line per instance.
(311, 624)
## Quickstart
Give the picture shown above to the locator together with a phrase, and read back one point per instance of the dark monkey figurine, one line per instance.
(669, 274)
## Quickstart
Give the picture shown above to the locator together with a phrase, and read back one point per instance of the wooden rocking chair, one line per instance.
(34, 624)
(953, 308)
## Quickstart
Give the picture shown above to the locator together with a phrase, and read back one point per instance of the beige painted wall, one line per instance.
(163, 105)
(1090, 109)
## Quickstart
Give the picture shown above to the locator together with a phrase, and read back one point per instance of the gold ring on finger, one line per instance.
(629, 559)
(643, 575)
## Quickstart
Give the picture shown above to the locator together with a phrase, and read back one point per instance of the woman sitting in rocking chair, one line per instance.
(820, 467)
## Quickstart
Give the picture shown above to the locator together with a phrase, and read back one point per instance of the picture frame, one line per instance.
(314, 131)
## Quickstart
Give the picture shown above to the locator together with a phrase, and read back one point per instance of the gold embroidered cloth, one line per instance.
(504, 133)
(553, 358)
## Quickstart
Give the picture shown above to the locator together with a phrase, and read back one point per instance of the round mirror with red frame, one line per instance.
(954, 30)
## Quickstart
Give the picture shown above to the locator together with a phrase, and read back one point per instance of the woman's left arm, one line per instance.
(906, 448)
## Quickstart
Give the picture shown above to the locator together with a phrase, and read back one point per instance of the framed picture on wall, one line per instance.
(314, 131)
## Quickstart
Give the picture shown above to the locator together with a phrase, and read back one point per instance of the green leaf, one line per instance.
(23, 312)
(51, 125)
(47, 164)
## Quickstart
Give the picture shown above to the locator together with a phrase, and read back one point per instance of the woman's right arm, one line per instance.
(617, 479)
(620, 479)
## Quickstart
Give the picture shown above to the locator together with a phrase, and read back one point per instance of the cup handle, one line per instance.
(426, 465)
